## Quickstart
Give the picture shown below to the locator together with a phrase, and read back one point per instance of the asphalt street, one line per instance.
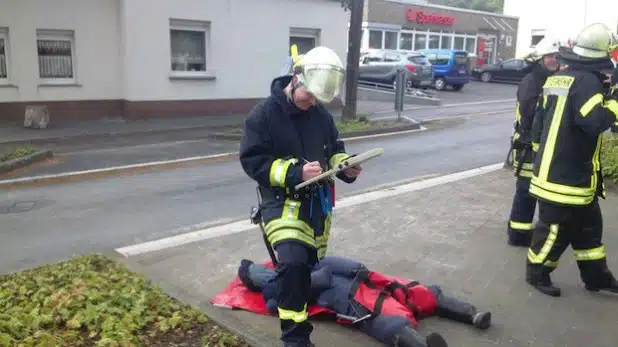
(53, 222)
(50, 223)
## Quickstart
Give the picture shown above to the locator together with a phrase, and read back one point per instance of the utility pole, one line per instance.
(354, 43)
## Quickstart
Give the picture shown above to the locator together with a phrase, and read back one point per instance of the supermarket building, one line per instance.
(413, 25)
(88, 59)
(554, 17)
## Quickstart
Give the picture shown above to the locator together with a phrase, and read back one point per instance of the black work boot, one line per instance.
(297, 345)
(243, 275)
(519, 238)
(604, 282)
(463, 312)
(538, 277)
(408, 337)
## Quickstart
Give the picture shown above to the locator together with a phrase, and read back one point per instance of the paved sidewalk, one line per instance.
(451, 234)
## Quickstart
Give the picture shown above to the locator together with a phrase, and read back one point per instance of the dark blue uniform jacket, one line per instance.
(277, 129)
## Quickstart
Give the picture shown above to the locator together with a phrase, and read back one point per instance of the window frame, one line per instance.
(57, 35)
(198, 26)
(4, 35)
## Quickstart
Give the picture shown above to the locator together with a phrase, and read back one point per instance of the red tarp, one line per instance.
(237, 296)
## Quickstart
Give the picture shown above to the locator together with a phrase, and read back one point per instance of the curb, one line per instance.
(113, 171)
(24, 161)
(221, 317)
(414, 125)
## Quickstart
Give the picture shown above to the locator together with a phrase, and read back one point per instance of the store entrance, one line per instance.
(486, 50)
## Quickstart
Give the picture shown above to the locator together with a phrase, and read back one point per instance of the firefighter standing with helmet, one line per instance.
(574, 111)
(289, 138)
(543, 63)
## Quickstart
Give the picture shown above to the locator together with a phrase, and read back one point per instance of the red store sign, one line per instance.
(429, 18)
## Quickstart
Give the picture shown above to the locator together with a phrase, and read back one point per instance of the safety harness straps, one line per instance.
(279, 171)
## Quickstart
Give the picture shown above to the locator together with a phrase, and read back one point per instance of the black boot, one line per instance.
(519, 238)
(605, 281)
(408, 337)
(461, 311)
(538, 277)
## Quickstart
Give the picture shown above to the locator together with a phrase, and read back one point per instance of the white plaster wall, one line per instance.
(566, 18)
(249, 40)
(97, 63)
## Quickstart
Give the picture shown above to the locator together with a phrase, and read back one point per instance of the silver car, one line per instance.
(380, 66)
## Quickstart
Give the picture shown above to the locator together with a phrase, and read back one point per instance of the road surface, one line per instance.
(54, 222)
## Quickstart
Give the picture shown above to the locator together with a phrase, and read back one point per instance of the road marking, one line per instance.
(423, 120)
(245, 225)
(43, 178)
(451, 105)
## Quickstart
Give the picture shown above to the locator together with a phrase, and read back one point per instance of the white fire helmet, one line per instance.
(546, 46)
(321, 72)
(595, 41)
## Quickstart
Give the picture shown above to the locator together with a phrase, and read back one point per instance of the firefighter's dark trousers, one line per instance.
(293, 277)
(522, 210)
(557, 228)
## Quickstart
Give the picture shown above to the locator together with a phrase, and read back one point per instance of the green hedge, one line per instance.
(609, 157)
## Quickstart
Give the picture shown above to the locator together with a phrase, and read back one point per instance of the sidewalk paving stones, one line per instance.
(453, 235)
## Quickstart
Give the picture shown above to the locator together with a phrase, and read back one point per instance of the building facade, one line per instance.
(555, 17)
(410, 25)
(142, 58)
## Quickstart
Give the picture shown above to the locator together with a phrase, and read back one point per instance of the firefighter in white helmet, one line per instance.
(289, 138)
(543, 63)
(574, 111)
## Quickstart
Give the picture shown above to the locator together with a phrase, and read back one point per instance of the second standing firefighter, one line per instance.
(567, 180)
(544, 63)
(289, 138)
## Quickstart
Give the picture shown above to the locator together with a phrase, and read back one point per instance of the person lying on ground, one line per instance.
(384, 307)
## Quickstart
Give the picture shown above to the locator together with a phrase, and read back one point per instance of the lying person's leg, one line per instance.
(459, 310)
(396, 331)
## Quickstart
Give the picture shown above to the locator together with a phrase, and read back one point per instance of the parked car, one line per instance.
(512, 70)
(451, 67)
(380, 66)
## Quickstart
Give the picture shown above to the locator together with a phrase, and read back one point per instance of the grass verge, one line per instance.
(94, 301)
(361, 123)
(17, 153)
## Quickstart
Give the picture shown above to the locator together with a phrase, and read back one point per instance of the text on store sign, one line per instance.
(429, 18)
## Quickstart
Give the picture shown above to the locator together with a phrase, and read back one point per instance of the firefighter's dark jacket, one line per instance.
(528, 92)
(278, 138)
(573, 113)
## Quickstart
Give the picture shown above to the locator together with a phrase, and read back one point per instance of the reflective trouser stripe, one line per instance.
(322, 240)
(296, 316)
(547, 246)
(289, 226)
(521, 226)
(535, 146)
(589, 254)
(336, 159)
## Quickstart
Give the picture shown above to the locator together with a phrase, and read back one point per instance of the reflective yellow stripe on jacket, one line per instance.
(337, 159)
(289, 226)
(279, 170)
(539, 185)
